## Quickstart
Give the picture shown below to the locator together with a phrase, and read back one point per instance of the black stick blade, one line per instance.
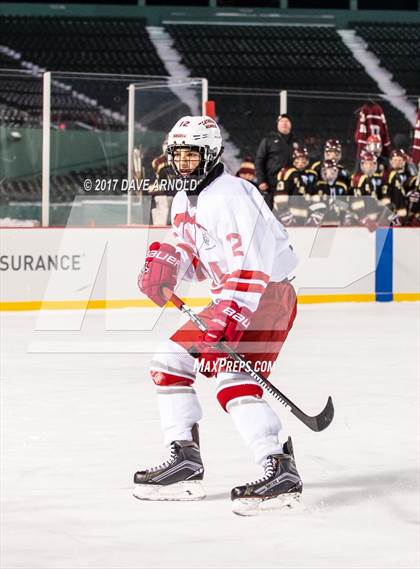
(326, 416)
(320, 421)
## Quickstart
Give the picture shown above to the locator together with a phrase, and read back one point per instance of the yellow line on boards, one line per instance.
(90, 304)
(316, 298)
(195, 302)
(401, 296)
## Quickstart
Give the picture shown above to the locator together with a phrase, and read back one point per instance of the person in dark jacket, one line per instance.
(274, 153)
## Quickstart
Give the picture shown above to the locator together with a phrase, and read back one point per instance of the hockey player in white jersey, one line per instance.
(226, 234)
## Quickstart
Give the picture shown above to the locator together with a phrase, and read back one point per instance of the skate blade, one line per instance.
(188, 490)
(255, 506)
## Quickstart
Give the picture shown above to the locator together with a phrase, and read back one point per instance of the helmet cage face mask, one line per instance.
(368, 166)
(332, 154)
(375, 147)
(300, 161)
(397, 162)
(198, 134)
(208, 159)
(329, 174)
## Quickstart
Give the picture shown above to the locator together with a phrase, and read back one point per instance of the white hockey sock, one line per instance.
(179, 410)
(258, 425)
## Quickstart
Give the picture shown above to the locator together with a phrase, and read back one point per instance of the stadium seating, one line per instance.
(302, 59)
(298, 57)
(79, 45)
(94, 45)
(82, 45)
(252, 62)
(398, 48)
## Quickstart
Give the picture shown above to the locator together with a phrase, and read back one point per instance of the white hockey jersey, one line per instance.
(231, 237)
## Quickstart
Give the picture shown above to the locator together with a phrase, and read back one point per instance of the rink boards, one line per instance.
(65, 268)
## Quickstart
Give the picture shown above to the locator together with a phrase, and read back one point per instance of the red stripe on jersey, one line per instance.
(187, 249)
(243, 287)
(195, 261)
(184, 218)
(258, 275)
(228, 393)
(198, 267)
(163, 378)
(226, 282)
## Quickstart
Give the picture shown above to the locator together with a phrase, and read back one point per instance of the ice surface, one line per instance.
(76, 425)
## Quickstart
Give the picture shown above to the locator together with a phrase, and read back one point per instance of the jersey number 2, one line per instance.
(236, 242)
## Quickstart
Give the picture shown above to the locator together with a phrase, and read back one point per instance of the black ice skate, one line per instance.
(176, 479)
(279, 488)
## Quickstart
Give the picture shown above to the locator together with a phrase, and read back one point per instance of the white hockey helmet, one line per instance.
(200, 134)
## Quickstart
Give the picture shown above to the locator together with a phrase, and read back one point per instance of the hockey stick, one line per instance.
(317, 423)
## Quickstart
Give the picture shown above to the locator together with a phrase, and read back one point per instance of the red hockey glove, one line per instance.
(160, 269)
(228, 324)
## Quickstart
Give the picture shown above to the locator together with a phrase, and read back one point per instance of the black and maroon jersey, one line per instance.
(343, 172)
(364, 185)
(339, 188)
(413, 196)
(394, 191)
(294, 182)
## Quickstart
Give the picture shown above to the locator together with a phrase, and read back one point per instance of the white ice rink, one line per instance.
(79, 417)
